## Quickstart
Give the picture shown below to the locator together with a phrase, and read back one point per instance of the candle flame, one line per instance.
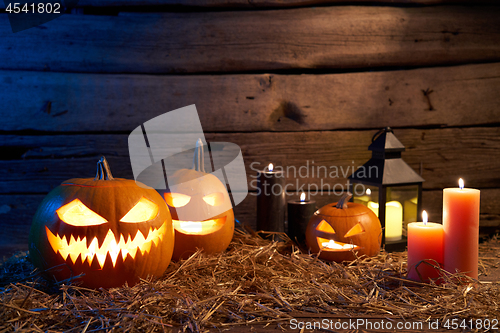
(270, 167)
(424, 217)
(337, 246)
(302, 196)
(368, 191)
(461, 183)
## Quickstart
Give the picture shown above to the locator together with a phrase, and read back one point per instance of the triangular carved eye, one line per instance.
(143, 211)
(77, 214)
(176, 200)
(357, 229)
(325, 227)
(214, 199)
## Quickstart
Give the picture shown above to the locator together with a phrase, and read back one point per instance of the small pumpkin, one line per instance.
(201, 209)
(112, 230)
(339, 230)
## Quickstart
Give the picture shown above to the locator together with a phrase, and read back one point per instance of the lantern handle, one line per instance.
(103, 170)
(342, 204)
(199, 158)
(383, 130)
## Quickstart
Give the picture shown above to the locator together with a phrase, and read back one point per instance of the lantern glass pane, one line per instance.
(407, 197)
(400, 207)
(366, 195)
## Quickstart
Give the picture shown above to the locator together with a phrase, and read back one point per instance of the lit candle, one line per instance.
(271, 199)
(299, 214)
(461, 229)
(425, 248)
(393, 219)
(336, 246)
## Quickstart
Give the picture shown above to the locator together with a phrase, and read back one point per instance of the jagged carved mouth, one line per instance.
(335, 246)
(89, 250)
(199, 227)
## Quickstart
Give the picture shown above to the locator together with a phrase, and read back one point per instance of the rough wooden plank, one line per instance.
(321, 37)
(432, 202)
(459, 96)
(16, 213)
(260, 3)
(443, 155)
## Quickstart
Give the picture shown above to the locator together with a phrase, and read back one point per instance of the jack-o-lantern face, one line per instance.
(338, 233)
(201, 210)
(193, 226)
(79, 247)
(327, 242)
(111, 230)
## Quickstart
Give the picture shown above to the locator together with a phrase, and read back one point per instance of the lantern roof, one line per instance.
(385, 141)
(386, 167)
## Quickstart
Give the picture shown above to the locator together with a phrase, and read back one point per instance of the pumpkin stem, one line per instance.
(199, 158)
(103, 170)
(342, 204)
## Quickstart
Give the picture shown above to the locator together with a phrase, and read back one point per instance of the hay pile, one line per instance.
(254, 281)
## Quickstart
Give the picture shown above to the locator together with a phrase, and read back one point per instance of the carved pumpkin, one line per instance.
(340, 230)
(109, 229)
(201, 210)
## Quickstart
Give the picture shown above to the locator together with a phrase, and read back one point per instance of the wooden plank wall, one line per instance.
(291, 82)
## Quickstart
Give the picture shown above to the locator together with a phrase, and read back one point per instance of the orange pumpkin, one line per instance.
(109, 229)
(337, 231)
(201, 210)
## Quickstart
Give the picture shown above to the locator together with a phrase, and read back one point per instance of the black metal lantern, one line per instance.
(389, 187)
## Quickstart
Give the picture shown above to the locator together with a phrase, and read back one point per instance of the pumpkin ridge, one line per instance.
(110, 199)
(196, 184)
(360, 214)
(342, 220)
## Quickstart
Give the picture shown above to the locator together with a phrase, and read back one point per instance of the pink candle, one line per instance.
(461, 229)
(425, 248)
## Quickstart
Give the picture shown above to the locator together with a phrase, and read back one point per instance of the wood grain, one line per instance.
(39, 163)
(227, 41)
(245, 4)
(16, 213)
(458, 96)
(260, 3)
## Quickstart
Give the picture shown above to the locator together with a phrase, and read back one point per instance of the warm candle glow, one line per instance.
(461, 229)
(191, 226)
(337, 246)
(425, 244)
(112, 246)
(368, 191)
(393, 219)
(461, 183)
(270, 167)
(302, 196)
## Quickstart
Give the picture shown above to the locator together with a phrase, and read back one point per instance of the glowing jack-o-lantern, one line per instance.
(201, 209)
(340, 231)
(110, 230)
